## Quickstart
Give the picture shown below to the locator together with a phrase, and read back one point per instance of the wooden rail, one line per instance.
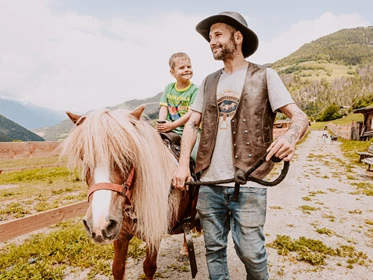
(16, 150)
(31, 223)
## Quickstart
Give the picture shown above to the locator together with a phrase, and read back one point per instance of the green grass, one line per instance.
(350, 148)
(36, 175)
(365, 188)
(347, 120)
(316, 70)
(314, 251)
(30, 162)
(47, 256)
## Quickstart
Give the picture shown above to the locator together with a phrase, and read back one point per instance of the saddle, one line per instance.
(173, 140)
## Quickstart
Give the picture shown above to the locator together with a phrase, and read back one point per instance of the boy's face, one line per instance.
(182, 70)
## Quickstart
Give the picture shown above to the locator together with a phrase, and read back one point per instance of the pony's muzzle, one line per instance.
(105, 232)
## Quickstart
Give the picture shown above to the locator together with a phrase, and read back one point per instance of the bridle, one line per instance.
(124, 190)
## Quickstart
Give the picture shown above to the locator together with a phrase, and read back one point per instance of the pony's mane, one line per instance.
(116, 138)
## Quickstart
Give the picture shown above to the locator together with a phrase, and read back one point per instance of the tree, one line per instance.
(330, 113)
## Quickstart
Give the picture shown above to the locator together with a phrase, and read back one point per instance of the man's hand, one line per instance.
(180, 176)
(239, 177)
(165, 127)
(282, 148)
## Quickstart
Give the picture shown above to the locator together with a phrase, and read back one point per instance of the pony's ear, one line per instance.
(75, 118)
(138, 111)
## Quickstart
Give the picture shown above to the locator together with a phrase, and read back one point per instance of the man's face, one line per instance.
(222, 41)
(182, 70)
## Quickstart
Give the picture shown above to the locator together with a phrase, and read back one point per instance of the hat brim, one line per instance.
(250, 40)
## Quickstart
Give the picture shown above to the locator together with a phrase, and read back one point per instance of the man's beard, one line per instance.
(227, 51)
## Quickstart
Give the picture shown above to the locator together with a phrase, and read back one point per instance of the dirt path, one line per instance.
(319, 177)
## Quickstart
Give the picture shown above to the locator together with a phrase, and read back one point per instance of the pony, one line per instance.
(128, 170)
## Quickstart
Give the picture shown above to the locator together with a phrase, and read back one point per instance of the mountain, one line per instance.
(59, 132)
(5, 138)
(151, 103)
(335, 69)
(28, 115)
(346, 46)
(10, 131)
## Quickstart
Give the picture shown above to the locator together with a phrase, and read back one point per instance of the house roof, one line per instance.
(365, 110)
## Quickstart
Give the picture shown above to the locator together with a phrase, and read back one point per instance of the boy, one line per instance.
(177, 97)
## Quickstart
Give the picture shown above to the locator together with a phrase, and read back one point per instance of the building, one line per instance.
(365, 128)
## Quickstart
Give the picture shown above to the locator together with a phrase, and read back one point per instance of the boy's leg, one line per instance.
(248, 218)
(193, 154)
(212, 208)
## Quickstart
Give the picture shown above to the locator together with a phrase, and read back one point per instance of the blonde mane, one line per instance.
(116, 138)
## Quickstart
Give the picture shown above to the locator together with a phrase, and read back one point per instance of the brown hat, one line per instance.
(250, 40)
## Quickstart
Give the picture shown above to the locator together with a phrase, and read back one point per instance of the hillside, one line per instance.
(28, 115)
(59, 132)
(337, 68)
(10, 131)
(346, 46)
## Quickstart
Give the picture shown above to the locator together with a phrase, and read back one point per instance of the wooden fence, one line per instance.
(343, 131)
(31, 223)
(16, 150)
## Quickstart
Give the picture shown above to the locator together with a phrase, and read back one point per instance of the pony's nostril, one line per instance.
(86, 225)
(112, 225)
(111, 228)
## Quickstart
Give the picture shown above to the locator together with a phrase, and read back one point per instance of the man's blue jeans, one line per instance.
(245, 218)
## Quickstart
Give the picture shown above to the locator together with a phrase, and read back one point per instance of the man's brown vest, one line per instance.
(252, 125)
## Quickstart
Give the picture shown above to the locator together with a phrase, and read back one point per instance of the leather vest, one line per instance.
(252, 124)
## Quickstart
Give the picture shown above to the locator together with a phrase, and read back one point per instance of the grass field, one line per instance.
(66, 246)
(316, 70)
(347, 120)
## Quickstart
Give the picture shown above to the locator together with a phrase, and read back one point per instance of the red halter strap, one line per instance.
(123, 190)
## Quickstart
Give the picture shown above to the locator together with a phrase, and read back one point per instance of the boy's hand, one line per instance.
(165, 127)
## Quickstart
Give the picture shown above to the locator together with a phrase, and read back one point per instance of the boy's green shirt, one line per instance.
(178, 102)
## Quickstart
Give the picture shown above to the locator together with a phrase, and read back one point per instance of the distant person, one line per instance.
(325, 134)
(178, 97)
(237, 106)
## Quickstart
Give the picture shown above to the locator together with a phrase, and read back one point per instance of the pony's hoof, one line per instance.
(183, 258)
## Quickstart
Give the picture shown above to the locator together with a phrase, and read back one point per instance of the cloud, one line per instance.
(69, 61)
(305, 31)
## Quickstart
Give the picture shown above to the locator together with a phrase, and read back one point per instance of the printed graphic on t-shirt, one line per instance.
(174, 111)
(227, 103)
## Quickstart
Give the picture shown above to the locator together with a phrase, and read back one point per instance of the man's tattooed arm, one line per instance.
(298, 126)
(189, 138)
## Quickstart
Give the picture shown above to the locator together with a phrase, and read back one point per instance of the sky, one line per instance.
(82, 55)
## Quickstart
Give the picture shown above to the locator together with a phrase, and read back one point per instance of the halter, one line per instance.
(124, 190)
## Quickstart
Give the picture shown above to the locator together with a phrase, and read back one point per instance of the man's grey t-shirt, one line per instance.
(229, 91)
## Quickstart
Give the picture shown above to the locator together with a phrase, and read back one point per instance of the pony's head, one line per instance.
(126, 167)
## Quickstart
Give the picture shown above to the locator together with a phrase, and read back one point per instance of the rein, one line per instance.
(248, 177)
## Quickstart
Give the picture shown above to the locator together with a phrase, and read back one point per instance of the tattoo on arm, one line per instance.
(298, 126)
(187, 142)
(193, 125)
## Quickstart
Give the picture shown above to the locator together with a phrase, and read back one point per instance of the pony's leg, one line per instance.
(120, 256)
(150, 263)
(183, 257)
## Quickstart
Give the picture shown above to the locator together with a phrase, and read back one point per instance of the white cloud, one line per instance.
(303, 32)
(74, 62)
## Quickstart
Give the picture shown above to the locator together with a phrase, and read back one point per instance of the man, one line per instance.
(237, 106)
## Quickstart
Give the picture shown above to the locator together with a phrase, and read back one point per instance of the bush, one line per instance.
(328, 114)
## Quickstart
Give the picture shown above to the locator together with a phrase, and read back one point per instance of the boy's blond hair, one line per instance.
(175, 56)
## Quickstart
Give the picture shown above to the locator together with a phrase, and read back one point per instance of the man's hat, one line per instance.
(250, 40)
